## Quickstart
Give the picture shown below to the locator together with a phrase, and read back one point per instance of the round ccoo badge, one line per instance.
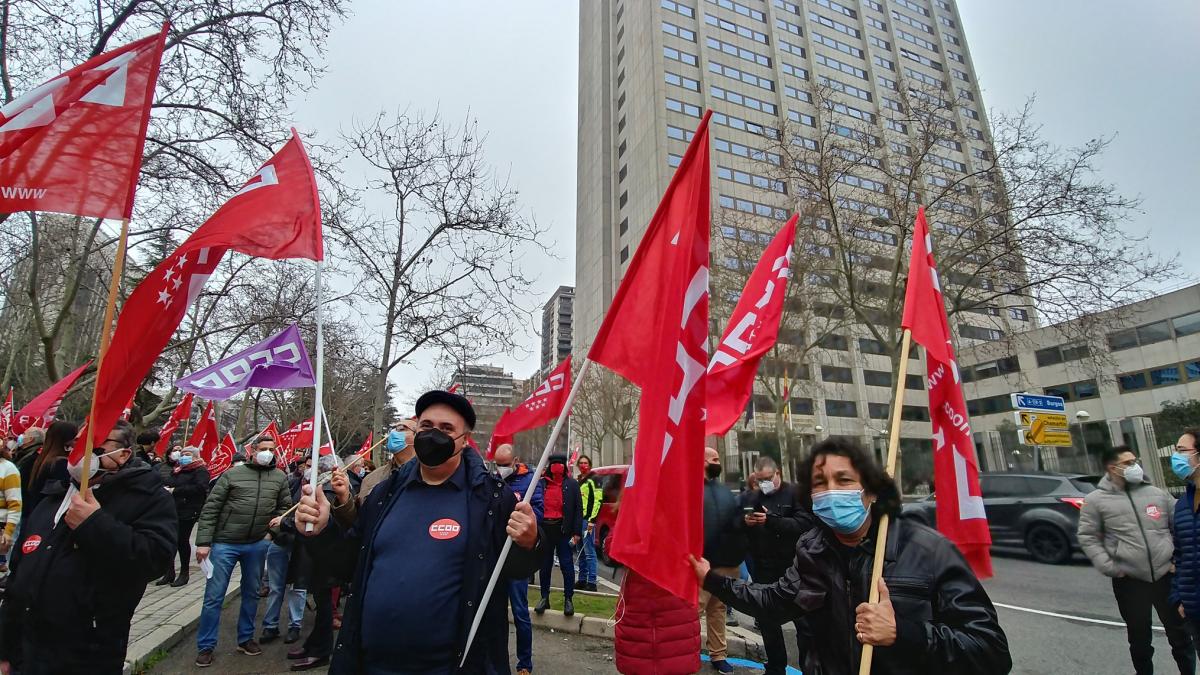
(31, 544)
(446, 528)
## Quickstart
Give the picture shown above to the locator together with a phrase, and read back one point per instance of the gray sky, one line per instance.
(1097, 68)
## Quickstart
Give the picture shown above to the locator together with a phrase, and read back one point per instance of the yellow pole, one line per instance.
(868, 651)
(105, 330)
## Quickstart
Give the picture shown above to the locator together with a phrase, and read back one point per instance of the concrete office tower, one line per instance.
(557, 324)
(784, 79)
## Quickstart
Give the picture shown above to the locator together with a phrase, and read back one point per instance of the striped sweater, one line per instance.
(10, 496)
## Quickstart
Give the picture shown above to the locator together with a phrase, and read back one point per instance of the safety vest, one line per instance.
(592, 497)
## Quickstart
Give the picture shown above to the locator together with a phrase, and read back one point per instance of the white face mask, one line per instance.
(264, 457)
(76, 470)
(175, 456)
(767, 486)
(1134, 473)
(505, 471)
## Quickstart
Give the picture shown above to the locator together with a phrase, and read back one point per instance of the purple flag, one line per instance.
(279, 362)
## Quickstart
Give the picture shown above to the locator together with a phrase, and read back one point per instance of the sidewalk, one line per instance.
(165, 615)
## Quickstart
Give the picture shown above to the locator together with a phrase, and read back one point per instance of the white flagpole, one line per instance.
(325, 419)
(317, 407)
(487, 593)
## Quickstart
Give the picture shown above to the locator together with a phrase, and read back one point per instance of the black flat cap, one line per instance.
(457, 403)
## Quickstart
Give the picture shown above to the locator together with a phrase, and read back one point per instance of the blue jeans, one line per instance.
(587, 558)
(518, 597)
(223, 557)
(277, 568)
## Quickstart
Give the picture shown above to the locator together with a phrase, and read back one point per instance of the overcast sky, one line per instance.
(1097, 68)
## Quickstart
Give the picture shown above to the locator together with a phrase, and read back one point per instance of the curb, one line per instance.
(741, 644)
(170, 633)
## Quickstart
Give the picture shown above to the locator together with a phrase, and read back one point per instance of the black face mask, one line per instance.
(712, 470)
(433, 447)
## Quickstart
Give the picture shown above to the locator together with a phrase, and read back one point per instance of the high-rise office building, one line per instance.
(804, 75)
(490, 390)
(557, 321)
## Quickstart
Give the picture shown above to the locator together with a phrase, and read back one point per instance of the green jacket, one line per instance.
(241, 505)
(592, 497)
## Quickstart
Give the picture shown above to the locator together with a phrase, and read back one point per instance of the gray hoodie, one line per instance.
(1128, 532)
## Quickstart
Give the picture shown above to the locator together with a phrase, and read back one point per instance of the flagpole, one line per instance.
(317, 407)
(105, 330)
(893, 456)
(541, 466)
(325, 419)
(355, 460)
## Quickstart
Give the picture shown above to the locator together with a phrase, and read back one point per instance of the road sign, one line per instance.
(1026, 418)
(1044, 436)
(1036, 402)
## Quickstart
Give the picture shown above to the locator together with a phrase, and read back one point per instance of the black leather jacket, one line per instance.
(945, 622)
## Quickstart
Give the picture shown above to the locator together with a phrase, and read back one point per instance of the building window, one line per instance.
(740, 9)
(677, 31)
(979, 332)
(836, 25)
(914, 413)
(1122, 339)
(880, 42)
(621, 149)
(838, 65)
(745, 178)
(836, 374)
(989, 405)
(681, 81)
(624, 253)
(735, 74)
(679, 8)
(794, 71)
(1188, 324)
(840, 46)
(835, 342)
(681, 107)
(674, 160)
(869, 346)
(878, 411)
(830, 4)
(743, 100)
(676, 55)
(624, 225)
(735, 28)
(877, 378)
(1060, 354)
(680, 134)
(1132, 381)
(1165, 376)
(913, 6)
(624, 198)
(734, 122)
(909, 21)
(744, 54)
(621, 174)
(1192, 369)
(836, 408)
(1153, 332)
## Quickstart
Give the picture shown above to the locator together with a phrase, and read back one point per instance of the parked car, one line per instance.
(1036, 511)
(611, 480)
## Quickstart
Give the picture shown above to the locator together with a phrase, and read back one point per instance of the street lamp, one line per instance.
(1082, 416)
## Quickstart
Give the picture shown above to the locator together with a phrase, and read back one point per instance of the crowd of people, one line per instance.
(379, 552)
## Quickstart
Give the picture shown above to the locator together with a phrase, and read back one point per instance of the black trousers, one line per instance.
(184, 545)
(1135, 599)
(772, 634)
(319, 642)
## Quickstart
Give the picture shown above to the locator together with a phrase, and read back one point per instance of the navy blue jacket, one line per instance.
(1185, 585)
(491, 502)
(519, 481)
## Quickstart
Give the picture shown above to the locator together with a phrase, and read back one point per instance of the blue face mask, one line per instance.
(184, 460)
(396, 441)
(842, 510)
(1181, 466)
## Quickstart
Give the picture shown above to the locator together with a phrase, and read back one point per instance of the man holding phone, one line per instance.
(724, 547)
(774, 519)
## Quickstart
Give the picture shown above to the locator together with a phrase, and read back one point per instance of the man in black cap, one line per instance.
(422, 546)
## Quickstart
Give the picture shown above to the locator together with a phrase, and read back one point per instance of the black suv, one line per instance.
(1037, 511)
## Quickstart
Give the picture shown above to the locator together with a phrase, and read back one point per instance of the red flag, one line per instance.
(655, 335)
(325, 450)
(453, 388)
(74, 144)
(206, 436)
(298, 437)
(542, 407)
(219, 457)
(752, 330)
(41, 410)
(496, 439)
(127, 413)
(275, 215)
(960, 514)
(182, 411)
(6, 416)
(574, 458)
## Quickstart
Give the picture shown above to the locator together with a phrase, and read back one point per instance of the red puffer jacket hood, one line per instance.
(657, 634)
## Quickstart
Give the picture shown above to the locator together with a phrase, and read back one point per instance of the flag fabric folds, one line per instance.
(206, 436)
(74, 144)
(296, 438)
(127, 413)
(541, 407)
(278, 362)
(6, 415)
(366, 446)
(275, 215)
(655, 335)
(41, 410)
(752, 330)
(960, 513)
(220, 457)
(182, 411)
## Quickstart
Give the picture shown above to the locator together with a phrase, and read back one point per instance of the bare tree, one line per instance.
(443, 260)
(605, 412)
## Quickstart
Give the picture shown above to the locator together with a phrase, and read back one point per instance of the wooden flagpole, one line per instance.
(105, 336)
(357, 458)
(893, 456)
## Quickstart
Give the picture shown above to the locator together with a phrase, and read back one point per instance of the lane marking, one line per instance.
(1069, 617)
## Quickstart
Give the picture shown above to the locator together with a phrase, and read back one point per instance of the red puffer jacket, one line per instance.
(657, 634)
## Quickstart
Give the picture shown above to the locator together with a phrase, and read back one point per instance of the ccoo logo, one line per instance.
(1153, 512)
(31, 544)
(446, 528)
